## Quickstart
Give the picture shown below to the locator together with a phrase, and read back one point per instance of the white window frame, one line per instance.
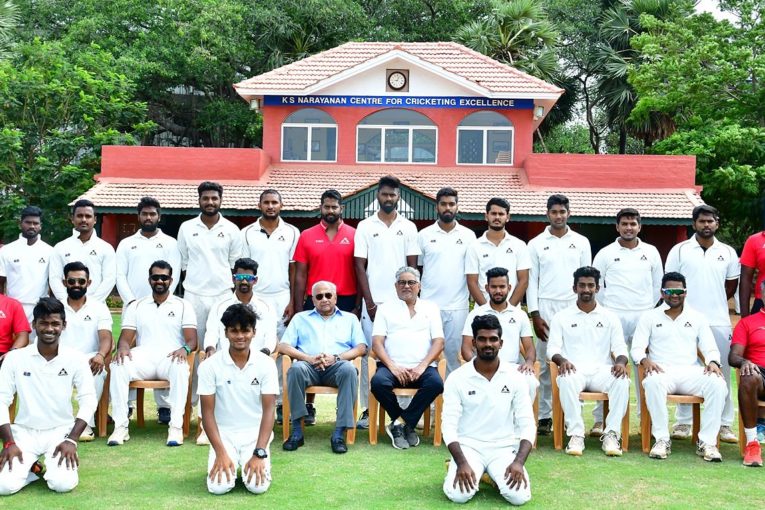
(310, 136)
(383, 128)
(485, 129)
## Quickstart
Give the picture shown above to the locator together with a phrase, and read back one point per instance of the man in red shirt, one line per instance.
(752, 259)
(14, 326)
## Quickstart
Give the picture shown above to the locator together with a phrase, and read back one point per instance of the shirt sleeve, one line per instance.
(20, 321)
(586, 253)
(270, 381)
(380, 325)
(234, 247)
(3, 269)
(86, 390)
(212, 328)
(56, 275)
(600, 263)
(618, 345)
(7, 386)
(673, 260)
(268, 323)
(174, 259)
(555, 337)
(104, 321)
(412, 241)
(532, 291)
(740, 333)
(748, 254)
(657, 271)
(734, 267)
(293, 246)
(300, 254)
(189, 319)
(123, 286)
(129, 318)
(183, 249)
(641, 337)
(360, 248)
(108, 273)
(290, 335)
(525, 325)
(472, 264)
(420, 240)
(523, 413)
(206, 378)
(467, 328)
(436, 326)
(523, 260)
(452, 410)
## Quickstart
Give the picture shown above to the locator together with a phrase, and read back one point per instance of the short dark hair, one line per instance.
(672, 276)
(210, 186)
(332, 194)
(148, 202)
(390, 181)
(269, 191)
(48, 306)
(499, 202)
(628, 212)
(497, 272)
(76, 266)
(557, 200)
(246, 264)
(161, 264)
(487, 321)
(239, 315)
(446, 192)
(83, 202)
(587, 272)
(31, 210)
(705, 209)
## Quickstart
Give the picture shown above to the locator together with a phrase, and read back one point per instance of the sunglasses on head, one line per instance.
(159, 277)
(320, 296)
(245, 277)
(673, 292)
(76, 281)
(407, 283)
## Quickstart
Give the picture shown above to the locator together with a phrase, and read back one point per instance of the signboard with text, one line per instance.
(401, 102)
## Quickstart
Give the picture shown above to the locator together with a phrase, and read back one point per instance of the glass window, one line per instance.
(309, 135)
(485, 138)
(396, 136)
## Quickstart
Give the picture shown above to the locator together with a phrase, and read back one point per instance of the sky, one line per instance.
(713, 7)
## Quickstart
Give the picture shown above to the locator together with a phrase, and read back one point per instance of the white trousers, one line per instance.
(366, 327)
(618, 390)
(278, 301)
(202, 306)
(453, 322)
(493, 461)
(685, 380)
(683, 412)
(148, 364)
(99, 380)
(33, 443)
(547, 309)
(239, 447)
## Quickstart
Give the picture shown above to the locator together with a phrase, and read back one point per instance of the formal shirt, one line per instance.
(515, 325)
(487, 414)
(13, 320)
(630, 278)
(136, 254)
(408, 338)
(159, 326)
(273, 253)
(750, 333)
(265, 326)
(310, 333)
(44, 388)
(753, 255)
(511, 253)
(25, 268)
(443, 257)
(83, 325)
(329, 260)
(208, 255)
(96, 254)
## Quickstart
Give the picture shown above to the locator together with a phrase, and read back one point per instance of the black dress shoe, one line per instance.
(544, 427)
(338, 445)
(293, 443)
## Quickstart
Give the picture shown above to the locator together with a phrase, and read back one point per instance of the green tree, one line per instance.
(9, 18)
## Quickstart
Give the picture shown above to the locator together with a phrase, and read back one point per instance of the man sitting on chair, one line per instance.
(672, 335)
(587, 344)
(163, 328)
(407, 338)
(323, 342)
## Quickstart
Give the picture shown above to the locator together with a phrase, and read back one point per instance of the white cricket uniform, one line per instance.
(408, 338)
(136, 254)
(238, 410)
(588, 340)
(25, 268)
(706, 273)
(81, 334)
(265, 327)
(511, 253)
(488, 418)
(443, 257)
(95, 253)
(45, 413)
(515, 325)
(551, 280)
(673, 345)
(159, 331)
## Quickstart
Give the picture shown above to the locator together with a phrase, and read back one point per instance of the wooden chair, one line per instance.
(160, 384)
(585, 395)
(741, 435)
(377, 414)
(350, 434)
(102, 411)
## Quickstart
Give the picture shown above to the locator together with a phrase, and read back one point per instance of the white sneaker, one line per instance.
(597, 429)
(119, 436)
(681, 431)
(87, 435)
(611, 445)
(202, 439)
(575, 446)
(709, 452)
(174, 436)
(661, 449)
(727, 435)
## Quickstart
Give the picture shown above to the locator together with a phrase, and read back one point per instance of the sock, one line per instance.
(751, 434)
(338, 433)
(297, 428)
(761, 421)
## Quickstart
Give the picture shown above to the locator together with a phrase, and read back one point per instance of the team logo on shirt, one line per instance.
(471, 392)
(721, 258)
(66, 255)
(319, 241)
(171, 314)
(159, 245)
(195, 234)
(546, 248)
(87, 318)
(2, 314)
(93, 252)
(399, 233)
(572, 245)
(599, 325)
(345, 241)
(459, 241)
(41, 261)
(27, 374)
(505, 389)
(16, 261)
(643, 257)
(659, 325)
(281, 238)
(133, 247)
(573, 325)
(509, 250)
(63, 372)
(375, 234)
(221, 234)
(617, 259)
(512, 320)
(485, 255)
(688, 325)
(432, 240)
(255, 382)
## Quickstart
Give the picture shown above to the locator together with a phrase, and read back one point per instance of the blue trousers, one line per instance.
(429, 386)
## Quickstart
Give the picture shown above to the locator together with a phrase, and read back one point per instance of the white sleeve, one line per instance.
(412, 241)
(293, 246)
(532, 291)
(600, 263)
(523, 414)
(673, 260)
(104, 321)
(174, 259)
(246, 245)
(380, 325)
(525, 326)
(523, 259)
(452, 411)
(360, 248)
(183, 248)
(436, 326)
(586, 255)
(213, 328)
(421, 242)
(206, 379)
(472, 264)
(734, 266)
(129, 317)
(234, 248)
(269, 385)
(657, 271)
(467, 329)
(641, 337)
(189, 319)
(56, 275)
(3, 270)
(7, 387)
(618, 345)
(86, 390)
(555, 337)
(123, 286)
(108, 274)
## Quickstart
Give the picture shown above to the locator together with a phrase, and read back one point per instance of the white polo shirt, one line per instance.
(208, 255)
(265, 326)
(586, 339)
(83, 325)
(159, 327)
(45, 388)
(96, 254)
(273, 254)
(630, 279)
(238, 392)
(443, 257)
(553, 262)
(136, 254)
(25, 269)
(673, 342)
(487, 414)
(385, 249)
(408, 339)
(511, 253)
(515, 325)
(706, 273)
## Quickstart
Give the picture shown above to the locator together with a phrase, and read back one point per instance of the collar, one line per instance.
(315, 312)
(639, 244)
(439, 229)
(485, 239)
(398, 218)
(696, 244)
(228, 360)
(325, 225)
(597, 308)
(199, 222)
(548, 229)
(76, 235)
(139, 235)
(510, 308)
(502, 368)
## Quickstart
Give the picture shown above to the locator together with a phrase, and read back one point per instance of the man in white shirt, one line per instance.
(407, 339)
(238, 390)
(24, 262)
(85, 246)
(488, 421)
(44, 375)
(384, 242)
(444, 247)
(163, 329)
(88, 329)
(555, 254)
(516, 329)
(587, 344)
(667, 341)
(712, 269)
(631, 270)
(497, 248)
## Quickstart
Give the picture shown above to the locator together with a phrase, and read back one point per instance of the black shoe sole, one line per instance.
(291, 445)
(338, 447)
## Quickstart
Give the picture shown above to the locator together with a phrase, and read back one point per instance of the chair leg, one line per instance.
(536, 411)
(696, 422)
(557, 420)
(350, 434)
(102, 412)
(187, 414)
(139, 406)
(426, 422)
(626, 430)
(373, 411)
(645, 427)
(286, 419)
(437, 428)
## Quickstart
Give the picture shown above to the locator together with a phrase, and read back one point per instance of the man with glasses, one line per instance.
(408, 339)
(667, 340)
(322, 343)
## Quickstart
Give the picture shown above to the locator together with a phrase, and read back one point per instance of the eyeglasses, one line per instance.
(76, 281)
(407, 283)
(320, 296)
(245, 277)
(159, 277)
(673, 292)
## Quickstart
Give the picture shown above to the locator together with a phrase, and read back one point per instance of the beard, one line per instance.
(76, 293)
(388, 208)
(149, 227)
(210, 213)
(330, 219)
(487, 357)
(446, 217)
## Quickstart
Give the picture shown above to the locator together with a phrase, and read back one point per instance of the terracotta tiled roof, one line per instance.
(451, 57)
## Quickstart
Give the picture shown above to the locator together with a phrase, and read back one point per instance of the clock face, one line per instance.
(397, 80)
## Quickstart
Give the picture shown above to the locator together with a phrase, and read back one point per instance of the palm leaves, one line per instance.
(9, 18)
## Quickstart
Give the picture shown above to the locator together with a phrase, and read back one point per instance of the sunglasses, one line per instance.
(245, 277)
(159, 277)
(76, 281)
(320, 296)
(673, 292)
(407, 283)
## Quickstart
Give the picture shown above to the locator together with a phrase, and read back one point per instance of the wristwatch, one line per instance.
(260, 453)
(716, 363)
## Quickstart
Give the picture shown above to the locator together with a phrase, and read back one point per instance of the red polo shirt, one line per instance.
(13, 320)
(753, 256)
(328, 260)
(750, 332)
